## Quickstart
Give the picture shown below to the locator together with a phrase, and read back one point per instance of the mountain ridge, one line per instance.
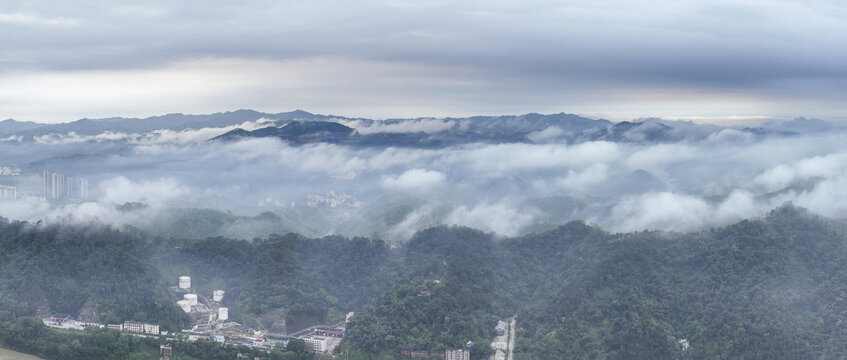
(424, 132)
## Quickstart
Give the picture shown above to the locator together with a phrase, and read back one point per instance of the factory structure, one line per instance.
(191, 303)
(56, 186)
(210, 321)
(207, 314)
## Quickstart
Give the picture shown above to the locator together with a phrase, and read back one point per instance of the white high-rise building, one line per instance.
(56, 186)
(8, 192)
(82, 189)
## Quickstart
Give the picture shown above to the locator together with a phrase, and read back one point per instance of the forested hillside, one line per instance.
(763, 289)
(771, 288)
(59, 268)
(759, 289)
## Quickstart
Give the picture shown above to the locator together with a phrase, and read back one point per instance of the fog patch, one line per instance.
(729, 135)
(503, 217)
(412, 223)
(656, 158)
(510, 157)
(683, 212)
(162, 136)
(415, 180)
(581, 180)
(550, 134)
(676, 186)
(121, 190)
(785, 175)
(828, 198)
(429, 126)
(662, 211)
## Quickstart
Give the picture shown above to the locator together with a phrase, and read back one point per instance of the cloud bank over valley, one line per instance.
(498, 177)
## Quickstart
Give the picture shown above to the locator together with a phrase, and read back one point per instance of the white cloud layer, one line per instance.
(504, 188)
(502, 217)
(121, 190)
(415, 180)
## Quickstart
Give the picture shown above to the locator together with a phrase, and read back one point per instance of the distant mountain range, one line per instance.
(300, 127)
(135, 125)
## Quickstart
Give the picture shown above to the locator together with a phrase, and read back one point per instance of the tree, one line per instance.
(296, 345)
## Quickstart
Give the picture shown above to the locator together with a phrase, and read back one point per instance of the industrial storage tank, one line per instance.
(191, 298)
(185, 305)
(223, 314)
(185, 282)
(217, 295)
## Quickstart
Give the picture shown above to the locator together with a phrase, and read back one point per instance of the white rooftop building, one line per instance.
(316, 343)
(460, 354)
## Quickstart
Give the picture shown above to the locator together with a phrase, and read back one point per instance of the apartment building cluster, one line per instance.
(56, 186)
(8, 192)
(8, 187)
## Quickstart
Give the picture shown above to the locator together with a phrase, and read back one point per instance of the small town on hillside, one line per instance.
(210, 322)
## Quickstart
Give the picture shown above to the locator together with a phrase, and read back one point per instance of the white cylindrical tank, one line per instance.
(191, 298)
(217, 295)
(223, 313)
(185, 282)
(185, 305)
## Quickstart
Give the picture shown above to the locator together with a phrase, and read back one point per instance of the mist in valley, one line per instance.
(700, 176)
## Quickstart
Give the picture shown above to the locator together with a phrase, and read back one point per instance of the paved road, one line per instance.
(505, 342)
(513, 330)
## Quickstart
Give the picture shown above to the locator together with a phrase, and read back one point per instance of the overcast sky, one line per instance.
(701, 60)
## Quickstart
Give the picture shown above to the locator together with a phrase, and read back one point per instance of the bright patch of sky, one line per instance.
(718, 61)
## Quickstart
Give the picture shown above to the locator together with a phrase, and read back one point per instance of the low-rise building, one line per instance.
(134, 326)
(412, 353)
(460, 354)
(500, 329)
(684, 343)
(316, 343)
(60, 318)
(165, 352)
(326, 331)
(141, 328)
(198, 336)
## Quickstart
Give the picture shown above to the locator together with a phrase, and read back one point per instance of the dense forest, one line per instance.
(765, 289)
(770, 288)
(62, 267)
